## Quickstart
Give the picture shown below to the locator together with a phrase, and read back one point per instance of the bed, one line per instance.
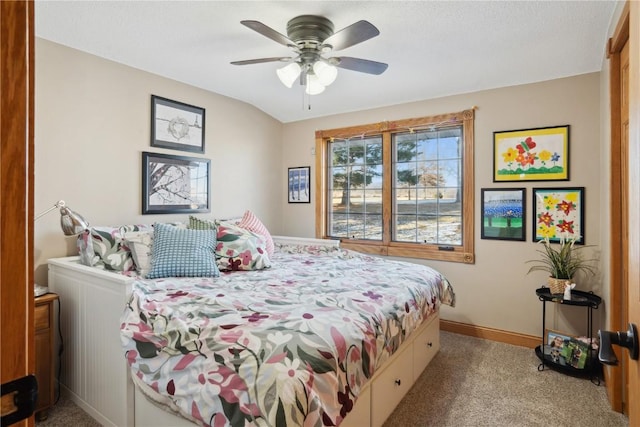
(321, 338)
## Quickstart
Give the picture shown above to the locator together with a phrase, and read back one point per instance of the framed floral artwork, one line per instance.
(540, 154)
(558, 214)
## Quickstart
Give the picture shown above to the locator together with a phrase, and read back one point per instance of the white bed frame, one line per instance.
(94, 373)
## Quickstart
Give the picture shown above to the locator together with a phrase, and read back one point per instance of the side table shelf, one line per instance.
(591, 302)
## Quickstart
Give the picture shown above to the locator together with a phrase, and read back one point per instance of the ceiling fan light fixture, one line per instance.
(326, 73)
(289, 74)
(314, 87)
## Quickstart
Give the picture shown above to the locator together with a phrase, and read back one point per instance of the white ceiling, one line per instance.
(433, 48)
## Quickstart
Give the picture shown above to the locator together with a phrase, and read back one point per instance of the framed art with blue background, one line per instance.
(503, 214)
(299, 190)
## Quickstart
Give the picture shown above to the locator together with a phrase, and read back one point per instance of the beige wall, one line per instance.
(495, 292)
(93, 123)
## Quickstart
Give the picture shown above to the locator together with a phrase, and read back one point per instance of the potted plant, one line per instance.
(561, 262)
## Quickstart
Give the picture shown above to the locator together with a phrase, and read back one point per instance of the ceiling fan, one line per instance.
(311, 37)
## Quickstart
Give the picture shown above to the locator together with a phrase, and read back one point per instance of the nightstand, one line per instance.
(45, 371)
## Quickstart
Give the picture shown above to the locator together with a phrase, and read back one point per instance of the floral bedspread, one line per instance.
(287, 346)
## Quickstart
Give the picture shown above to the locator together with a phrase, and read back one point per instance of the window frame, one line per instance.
(463, 253)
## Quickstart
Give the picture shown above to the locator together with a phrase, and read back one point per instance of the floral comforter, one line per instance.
(287, 346)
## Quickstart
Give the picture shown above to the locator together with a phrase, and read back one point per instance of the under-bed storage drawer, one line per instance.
(425, 347)
(391, 386)
(360, 415)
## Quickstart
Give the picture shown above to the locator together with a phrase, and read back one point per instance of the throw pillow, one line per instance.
(201, 224)
(251, 222)
(140, 244)
(182, 253)
(240, 249)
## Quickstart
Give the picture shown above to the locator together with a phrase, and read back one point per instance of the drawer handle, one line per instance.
(429, 344)
(398, 382)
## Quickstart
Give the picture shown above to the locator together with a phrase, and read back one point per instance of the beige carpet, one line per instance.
(471, 382)
(476, 382)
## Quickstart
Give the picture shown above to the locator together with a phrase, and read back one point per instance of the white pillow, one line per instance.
(140, 244)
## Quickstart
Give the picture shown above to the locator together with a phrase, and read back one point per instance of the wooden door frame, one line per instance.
(16, 194)
(614, 378)
(633, 285)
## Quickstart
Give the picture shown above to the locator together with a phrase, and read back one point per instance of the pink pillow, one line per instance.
(251, 222)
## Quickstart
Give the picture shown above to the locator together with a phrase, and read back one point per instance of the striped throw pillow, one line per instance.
(251, 222)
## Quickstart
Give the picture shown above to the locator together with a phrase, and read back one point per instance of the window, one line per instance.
(402, 188)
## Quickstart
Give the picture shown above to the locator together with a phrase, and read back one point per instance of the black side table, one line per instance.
(590, 301)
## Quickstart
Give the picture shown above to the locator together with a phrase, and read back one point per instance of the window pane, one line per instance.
(356, 152)
(405, 229)
(356, 226)
(356, 174)
(450, 230)
(428, 145)
(428, 182)
(373, 227)
(374, 152)
(427, 229)
(339, 153)
(338, 224)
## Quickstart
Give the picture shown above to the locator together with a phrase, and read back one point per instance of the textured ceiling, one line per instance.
(433, 48)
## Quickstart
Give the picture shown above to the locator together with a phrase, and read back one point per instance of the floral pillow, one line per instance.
(105, 247)
(240, 249)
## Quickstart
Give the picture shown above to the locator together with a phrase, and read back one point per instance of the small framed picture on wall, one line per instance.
(503, 213)
(174, 184)
(177, 125)
(299, 190)
(558, 214)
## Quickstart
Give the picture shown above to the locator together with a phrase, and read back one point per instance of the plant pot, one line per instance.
(557, 285)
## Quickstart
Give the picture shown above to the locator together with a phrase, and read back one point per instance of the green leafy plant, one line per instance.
(562, 261)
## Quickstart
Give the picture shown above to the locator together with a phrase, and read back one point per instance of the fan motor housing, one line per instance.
(309, 29)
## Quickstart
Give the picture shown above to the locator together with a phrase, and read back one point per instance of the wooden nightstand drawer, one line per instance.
(44, 339)
(41, 315)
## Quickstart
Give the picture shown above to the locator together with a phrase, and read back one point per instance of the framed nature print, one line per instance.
(298, 185)
(503, 214)
(558, 214)
(176, 125)
(540, 154)
(174, 184)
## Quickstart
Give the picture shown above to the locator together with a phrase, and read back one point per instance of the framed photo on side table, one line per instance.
(176, 125)
(566, 350)
(540, 154)
(175, 184)
(299, 190)
(503, 214)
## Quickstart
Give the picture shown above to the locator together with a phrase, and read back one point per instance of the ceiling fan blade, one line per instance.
(261, 60)
(351, 35)
(269, 32)
(361, 65)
